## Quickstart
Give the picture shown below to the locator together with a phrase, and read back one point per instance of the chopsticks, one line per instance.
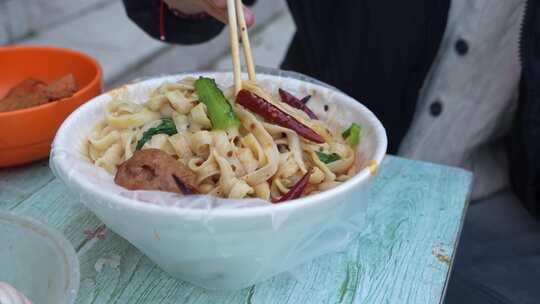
(245, 40)
(236, 18)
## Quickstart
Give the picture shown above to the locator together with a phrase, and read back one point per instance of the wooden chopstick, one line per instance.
(235, 11)
(233, 34)
(245, 40)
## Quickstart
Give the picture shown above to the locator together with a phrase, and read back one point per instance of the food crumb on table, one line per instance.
(112, 260)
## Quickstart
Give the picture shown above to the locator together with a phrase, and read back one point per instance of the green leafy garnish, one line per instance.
(220, 111)
(166, 126)
(352, 134)
(327, 158)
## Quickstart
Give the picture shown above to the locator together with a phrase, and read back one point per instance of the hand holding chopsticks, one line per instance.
(236, 18)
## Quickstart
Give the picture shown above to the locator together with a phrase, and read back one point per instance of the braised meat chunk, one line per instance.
(153, 169)
(26, 94)
(31, 92)
(61, 88)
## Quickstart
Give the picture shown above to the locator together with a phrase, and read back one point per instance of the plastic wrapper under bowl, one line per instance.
(209, 241)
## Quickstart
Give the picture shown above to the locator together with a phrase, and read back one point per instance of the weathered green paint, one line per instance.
(401, 257)
(17, 184)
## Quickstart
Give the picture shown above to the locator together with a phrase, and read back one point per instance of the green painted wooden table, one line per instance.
(404, 256)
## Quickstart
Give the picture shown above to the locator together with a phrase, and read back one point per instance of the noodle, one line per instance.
(256, 158)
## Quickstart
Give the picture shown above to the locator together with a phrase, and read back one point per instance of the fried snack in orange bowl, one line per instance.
(37, 94)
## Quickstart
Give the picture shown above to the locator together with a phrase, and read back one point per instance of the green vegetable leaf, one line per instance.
(220, 111)
(352, 134)
(166, 126)
(327, 158)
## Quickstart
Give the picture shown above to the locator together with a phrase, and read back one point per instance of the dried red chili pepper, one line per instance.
(296, 190)
(305, 99)
(268, 111)
(294, 102)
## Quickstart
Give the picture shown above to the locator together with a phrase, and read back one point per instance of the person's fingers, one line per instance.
(214, 11)
(218, 10)
(249, 16)
(186, 6)
(220, 3)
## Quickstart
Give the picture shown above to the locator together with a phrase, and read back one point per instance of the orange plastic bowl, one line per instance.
(26, 135)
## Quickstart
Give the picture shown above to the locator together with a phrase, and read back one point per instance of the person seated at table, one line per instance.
(453, 83)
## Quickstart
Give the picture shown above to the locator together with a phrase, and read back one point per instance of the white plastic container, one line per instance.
(217, 243)
(37, 260)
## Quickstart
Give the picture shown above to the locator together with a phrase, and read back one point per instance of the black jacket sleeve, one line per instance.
(145, 13)
(524, 145)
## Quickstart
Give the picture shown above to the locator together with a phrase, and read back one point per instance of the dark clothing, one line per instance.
(524, 139)
(145, 13)
(380, 52)
(498, 258)
(367, 56)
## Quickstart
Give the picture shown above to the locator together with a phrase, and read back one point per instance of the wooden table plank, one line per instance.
(17, 184)
(54, 205)
(402, 256)
(136, 279)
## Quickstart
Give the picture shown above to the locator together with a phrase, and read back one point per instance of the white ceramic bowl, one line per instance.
(229, 248)
(37, 260)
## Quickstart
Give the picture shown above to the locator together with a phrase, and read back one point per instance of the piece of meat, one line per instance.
(26, 86)
(26, 94)
(153, 169)
(61, 88)
(31, 92)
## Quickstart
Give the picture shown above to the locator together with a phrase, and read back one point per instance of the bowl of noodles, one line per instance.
(224, 189)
